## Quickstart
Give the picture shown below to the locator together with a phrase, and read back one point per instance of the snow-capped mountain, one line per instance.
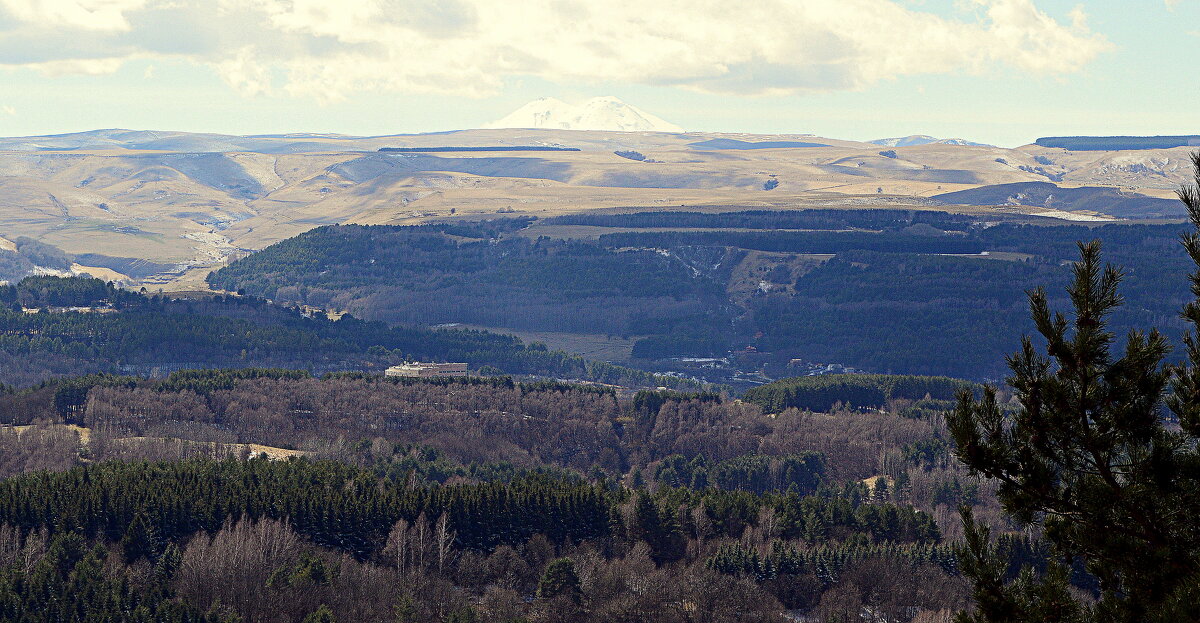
(923, 139)
(598, 113)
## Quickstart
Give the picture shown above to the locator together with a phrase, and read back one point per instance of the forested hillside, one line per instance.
(279, 541)
(486, 499)
(1103, 143)
(474, 420)
(436, 274)
(920, 292)
(52, 326)
(872, 391)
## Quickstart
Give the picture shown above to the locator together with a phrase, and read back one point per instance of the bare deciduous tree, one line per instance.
(232, 567)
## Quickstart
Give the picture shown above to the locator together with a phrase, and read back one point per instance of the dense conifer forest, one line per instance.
(901, 291)
(428, 274)
(825, 392)
(484, 497)
(51, 326)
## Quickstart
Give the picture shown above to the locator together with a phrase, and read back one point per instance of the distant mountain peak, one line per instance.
(923, 139)
(606, 113)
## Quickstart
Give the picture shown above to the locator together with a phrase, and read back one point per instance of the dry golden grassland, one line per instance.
(199, 210)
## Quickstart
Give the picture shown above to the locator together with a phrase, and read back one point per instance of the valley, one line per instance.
(161, 209)
(736, 298)
(697, 365)
(406, 313)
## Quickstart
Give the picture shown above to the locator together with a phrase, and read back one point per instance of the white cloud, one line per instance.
(8, 110)
(327, 49)
(79, 66)
(246, 73)
(98, 15)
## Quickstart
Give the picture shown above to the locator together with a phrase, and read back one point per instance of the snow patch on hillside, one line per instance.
(923, 139)
(598, 113)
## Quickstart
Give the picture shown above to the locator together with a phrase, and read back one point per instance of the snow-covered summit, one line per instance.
(922, 139)
(598, 113)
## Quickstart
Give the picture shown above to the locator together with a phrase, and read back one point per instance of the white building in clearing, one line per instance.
(427, 370)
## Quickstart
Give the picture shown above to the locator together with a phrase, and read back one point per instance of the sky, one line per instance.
(1003, 72)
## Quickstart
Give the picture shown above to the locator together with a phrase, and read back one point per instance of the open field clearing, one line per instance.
(85, 439)
(613, 348)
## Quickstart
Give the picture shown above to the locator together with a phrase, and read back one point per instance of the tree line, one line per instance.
(873, 391)
(821, 219)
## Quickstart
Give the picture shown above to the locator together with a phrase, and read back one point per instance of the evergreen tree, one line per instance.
(321, 615)
(406, 609)
(560, 580)
(168, 563)
(465, 614)
(139, 540)
(657, 527)
(1091, 455)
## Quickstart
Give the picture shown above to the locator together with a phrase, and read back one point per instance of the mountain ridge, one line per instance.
(913, 140)
(191, 202)
(608, 114)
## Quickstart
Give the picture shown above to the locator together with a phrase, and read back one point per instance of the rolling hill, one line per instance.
(163, 208)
